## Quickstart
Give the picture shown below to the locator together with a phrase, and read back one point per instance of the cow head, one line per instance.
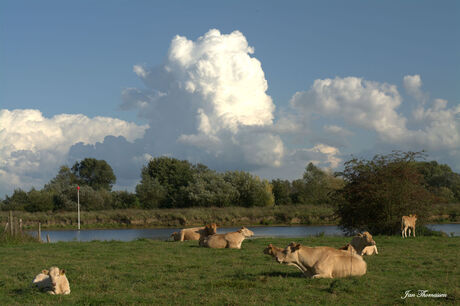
(55, 274)
(366, 239)
(211, 229)
(289, 254)
(272, 250)
(246, 232)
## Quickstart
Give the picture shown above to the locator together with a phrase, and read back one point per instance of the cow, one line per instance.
(53, 281)
(359, 243)
(408, 223)
(322, 262)
(42, 281)
(232, 240)
(370, 250)
(275, 251)
(195, 233)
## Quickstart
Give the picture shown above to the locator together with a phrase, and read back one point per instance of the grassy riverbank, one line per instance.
(155, 272)
(228, 216)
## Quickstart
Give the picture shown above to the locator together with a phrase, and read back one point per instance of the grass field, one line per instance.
(157, 272)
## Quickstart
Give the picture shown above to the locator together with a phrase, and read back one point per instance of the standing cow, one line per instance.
(408, 223)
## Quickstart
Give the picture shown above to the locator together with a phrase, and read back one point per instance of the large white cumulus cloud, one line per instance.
(367, 104)
(32, 146)
(208, 95)
(374, 107)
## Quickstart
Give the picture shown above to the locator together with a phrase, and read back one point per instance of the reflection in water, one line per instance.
(165, 233)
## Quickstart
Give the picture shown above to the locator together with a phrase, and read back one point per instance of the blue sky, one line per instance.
(79, 57)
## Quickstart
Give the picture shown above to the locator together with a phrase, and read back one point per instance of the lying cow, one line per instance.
(53, 281)
(42, 281)
(408, 223)
(232, 240)
(275, 251)
(195, 233)
(370, 250)
(322, 262)
(361, 244)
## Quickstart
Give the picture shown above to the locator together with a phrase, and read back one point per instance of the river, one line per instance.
(165, 233)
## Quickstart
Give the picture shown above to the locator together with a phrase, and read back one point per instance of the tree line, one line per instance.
(376, 191)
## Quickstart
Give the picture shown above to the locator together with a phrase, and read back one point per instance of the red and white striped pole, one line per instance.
(78, 205)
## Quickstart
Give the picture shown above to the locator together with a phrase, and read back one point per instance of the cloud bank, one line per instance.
(32, 147)
(208, 103)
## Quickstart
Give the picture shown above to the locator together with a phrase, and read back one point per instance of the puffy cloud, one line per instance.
(32, 146)
(413, 86)
(209, 100)
(367, 104)
(374, 107)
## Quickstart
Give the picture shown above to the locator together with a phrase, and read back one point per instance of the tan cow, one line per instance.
(275, 251)
(370, 250)
(53, 281)
(322, 262)
(42, 281)
(195, 233)
(359, 243)
(232, 240)
(408, 223)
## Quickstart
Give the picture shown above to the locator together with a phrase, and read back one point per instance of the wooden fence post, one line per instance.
(20, 226)
(48, 238)
(39, 232)
(11, 223)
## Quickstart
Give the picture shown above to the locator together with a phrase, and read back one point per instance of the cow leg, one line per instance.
(305, 272)
(182, 236)
(414, 231)
(324, 275)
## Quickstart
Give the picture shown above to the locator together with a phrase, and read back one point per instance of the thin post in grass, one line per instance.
(20, 226)
(48, 238)
(6, 227)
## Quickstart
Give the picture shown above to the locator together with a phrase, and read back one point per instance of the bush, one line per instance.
(379, 192)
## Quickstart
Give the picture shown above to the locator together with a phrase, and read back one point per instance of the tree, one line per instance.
(320, 184)
(62, 180)
(252, 191)
(17, 201)
(209, 188)
(150, 192)
(39, 200)
(95, 173)
(172, 175)
(282, 192)
(442, 181)
(380, 191)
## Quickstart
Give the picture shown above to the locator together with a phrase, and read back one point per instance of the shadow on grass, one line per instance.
(282, 274)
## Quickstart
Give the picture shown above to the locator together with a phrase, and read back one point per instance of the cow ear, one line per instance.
(360, 235)
(62, 272)
(46, 272)
(297, 246)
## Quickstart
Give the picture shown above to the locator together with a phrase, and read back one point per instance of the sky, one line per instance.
(259, 86)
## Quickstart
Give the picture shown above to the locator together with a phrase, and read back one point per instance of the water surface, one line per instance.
(165, 233)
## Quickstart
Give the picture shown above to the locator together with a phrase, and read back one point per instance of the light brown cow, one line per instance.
(359, 243)
(275, 251)
(231, 240)
(370, 250)
(42, 281)
(408, 223)
(195, 233)
(59, 281)
(322, 262)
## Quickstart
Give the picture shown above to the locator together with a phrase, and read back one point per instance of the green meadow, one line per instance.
(160, 272)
